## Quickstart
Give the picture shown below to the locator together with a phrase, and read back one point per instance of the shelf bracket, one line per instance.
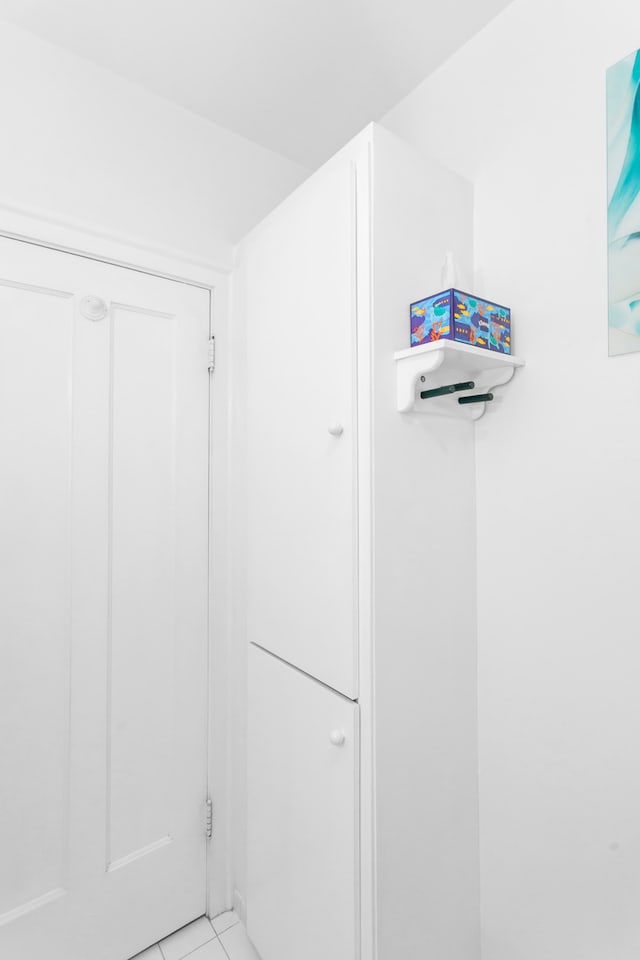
(498, 379)
(418, 366)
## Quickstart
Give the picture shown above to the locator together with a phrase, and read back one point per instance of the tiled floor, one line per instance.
(222, 938)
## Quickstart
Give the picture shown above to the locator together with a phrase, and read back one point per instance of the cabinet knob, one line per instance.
(337, 737)
(336, 429)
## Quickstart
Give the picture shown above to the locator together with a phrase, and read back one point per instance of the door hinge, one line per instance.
(208, 819)
(212, 354)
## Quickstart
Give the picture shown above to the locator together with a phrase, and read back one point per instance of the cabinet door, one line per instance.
(303, 815)
(297, 279)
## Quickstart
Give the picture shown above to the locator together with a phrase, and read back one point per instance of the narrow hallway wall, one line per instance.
(521, 111)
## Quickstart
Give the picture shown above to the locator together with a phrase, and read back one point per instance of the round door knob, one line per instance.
(337, 737)
(93, 308)
(336, 429)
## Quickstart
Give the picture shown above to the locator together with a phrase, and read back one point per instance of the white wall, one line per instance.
(83, 146)
(424, 575)
(521, 110)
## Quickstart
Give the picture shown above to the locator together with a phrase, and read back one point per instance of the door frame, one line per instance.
(214, 277)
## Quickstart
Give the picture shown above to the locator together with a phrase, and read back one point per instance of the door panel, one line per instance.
(142, 584)
(302, 895)
(103, 619)
(300, 384)
(35, 440)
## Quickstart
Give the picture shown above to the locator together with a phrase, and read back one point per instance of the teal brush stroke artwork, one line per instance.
(623, 164)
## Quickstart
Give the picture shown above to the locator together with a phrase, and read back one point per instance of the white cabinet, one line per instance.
(302, 547)
(303, 798)
(360, 572)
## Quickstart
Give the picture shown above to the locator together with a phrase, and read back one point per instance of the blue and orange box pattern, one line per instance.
(454, 315)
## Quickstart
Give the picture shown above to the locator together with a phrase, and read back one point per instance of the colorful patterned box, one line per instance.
(454, 315)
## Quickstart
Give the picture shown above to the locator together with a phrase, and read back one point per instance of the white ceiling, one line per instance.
(297, 76)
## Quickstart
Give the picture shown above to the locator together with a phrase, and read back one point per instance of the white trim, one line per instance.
(19, 223)
(219, 889)
(366, 534)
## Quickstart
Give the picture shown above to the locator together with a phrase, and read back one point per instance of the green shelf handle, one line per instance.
(479, 398)
(443, 391)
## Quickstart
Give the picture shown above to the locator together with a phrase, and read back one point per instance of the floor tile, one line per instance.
(237, 944)
(186, 940)
(153, 953)
(210, 951)
(225, 920)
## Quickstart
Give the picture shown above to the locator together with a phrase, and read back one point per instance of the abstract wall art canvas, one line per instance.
(623, 175)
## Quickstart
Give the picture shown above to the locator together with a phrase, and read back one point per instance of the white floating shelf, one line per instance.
(444, 362)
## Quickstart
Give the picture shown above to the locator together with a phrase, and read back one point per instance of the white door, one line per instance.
(302, 896)
(301, 428)
(103, 606)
